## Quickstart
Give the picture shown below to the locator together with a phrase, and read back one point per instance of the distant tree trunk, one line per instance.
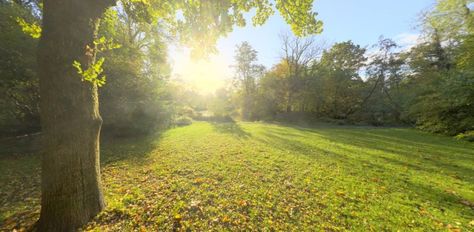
(335, 105)
(70, 190)
(289, 102)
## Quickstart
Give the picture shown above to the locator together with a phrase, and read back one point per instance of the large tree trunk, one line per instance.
(70, 191)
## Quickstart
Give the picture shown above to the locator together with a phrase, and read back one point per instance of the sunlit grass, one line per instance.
(254, 176)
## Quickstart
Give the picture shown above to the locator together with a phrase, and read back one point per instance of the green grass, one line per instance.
(254, 176)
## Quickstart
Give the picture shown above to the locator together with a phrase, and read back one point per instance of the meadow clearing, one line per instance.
(258, 176)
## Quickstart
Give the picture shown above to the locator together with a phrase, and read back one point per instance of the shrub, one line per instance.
(187, 111)
(468, 136)
(183, 121)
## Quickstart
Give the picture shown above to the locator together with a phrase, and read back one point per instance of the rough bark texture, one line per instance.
(71, 192)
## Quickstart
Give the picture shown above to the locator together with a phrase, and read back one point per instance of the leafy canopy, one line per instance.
(199, 24)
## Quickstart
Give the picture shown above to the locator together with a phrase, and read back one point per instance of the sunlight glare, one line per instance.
(205, 75)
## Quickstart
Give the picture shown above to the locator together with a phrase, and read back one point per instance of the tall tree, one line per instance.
(442, 80)
(136, 98)
(247, 74)
(340, 67)
(383, 76)
(272, 92)
(298, 54)
(71, 190)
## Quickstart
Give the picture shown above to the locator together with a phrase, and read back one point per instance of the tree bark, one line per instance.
(70, 191)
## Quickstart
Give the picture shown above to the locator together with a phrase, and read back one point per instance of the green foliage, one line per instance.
(195, 23)
(468, 136)
(222, 103)
(383, 95)
(247, 72)
(453, 112)
(31, 29)
(431, 86)
(444, 72)
(451, 18)
(137, 98)
(93, 73)
(183, 121)
(272, 93)
(254, 176)
(19, 91)
(341, 84)
(199, 24)
(300, 17)
(103, 44)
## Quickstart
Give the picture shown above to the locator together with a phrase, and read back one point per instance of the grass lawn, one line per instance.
(255, 176)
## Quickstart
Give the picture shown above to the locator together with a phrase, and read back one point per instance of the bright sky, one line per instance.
(361, 21)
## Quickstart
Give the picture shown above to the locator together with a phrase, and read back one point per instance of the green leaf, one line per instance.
(93, 73)
(32, 29)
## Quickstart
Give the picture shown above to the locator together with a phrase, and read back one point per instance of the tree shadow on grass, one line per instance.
(230, 128)
(431, 153)
(20, 177)
(136, 149)
(401, 158)
(26, 144)
(405, 137)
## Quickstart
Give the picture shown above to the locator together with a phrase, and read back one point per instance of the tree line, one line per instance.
(136, 98)
(430, 85)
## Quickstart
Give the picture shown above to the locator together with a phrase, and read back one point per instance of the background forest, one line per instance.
(429, 86)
